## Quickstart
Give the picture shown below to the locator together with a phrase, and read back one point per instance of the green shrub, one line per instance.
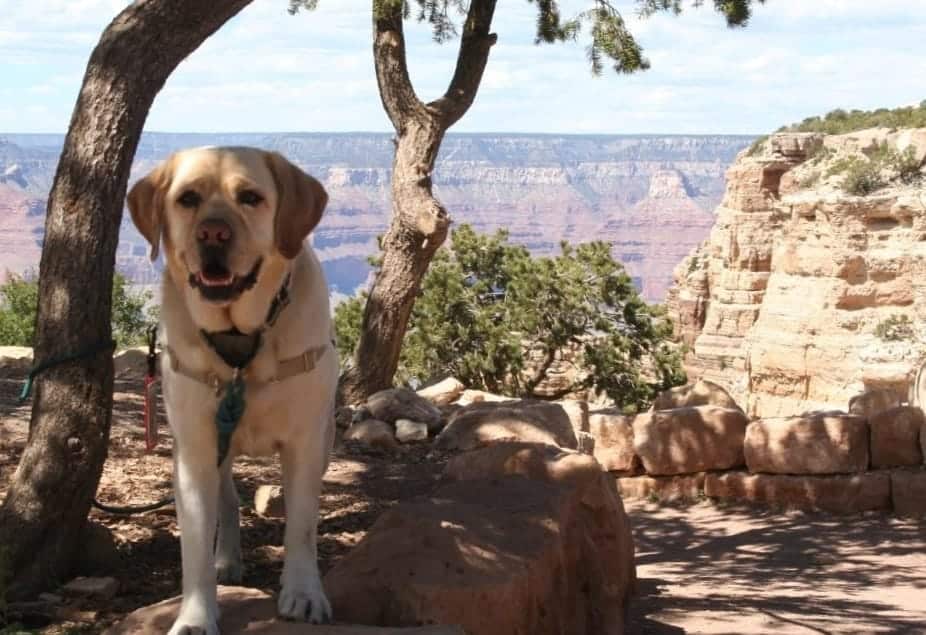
(484, 303)
(907, 165)
(863, 177)
(19, 305)
(841, 121)
(757, 146)
(896, 328)
(810, 179)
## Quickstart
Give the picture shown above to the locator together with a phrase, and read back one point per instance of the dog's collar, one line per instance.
(238, 349)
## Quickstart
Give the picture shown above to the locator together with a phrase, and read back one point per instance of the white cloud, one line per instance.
(267, 70)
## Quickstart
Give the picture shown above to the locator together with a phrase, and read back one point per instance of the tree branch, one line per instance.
(395, 87)
(475, 43)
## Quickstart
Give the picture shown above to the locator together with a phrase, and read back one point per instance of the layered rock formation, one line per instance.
(786, 304)
(651, 196)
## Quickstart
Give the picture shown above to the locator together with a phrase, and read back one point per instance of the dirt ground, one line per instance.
(724, 569)
(703, 568)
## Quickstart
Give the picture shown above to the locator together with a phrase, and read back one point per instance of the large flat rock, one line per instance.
(815, 444)
(841, 494)
(548, 553)
(252, 611)
(689, 440)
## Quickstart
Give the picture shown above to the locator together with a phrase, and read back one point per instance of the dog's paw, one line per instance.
(229, 572)
(182, 627)
(304, 602)
(194, 622)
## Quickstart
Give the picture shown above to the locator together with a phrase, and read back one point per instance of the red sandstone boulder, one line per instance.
(613, 434)
(819, 444)
(547, 553)
(908, 492)
(873, 401)
(683, 487)
(688, 440)
(700, 393)
(895, 437)
(526, 420)
(840, 494)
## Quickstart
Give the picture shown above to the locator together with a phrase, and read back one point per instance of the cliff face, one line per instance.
(788, 302)
(651, 196)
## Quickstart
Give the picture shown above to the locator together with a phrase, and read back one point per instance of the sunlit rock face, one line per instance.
(788, 302)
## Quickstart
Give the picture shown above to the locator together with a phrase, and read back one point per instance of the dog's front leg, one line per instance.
(196, 489)
(302, 596)
(228, 543)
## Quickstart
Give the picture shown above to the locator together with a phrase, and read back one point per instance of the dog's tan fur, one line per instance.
(294, 416)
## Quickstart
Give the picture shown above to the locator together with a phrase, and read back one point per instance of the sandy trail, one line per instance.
(707, 568)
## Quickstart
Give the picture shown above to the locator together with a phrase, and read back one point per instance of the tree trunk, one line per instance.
(49, 498)
(419, 222)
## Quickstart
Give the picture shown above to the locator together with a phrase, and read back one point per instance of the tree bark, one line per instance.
(419, 221)
(49, 498)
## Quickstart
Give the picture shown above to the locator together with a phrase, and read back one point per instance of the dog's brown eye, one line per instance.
(250, 198)
(190, 199)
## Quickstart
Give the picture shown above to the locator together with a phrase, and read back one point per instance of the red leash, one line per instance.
(151, 396)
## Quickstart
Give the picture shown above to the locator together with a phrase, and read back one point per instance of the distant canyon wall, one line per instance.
(650, 196)
(789, 302)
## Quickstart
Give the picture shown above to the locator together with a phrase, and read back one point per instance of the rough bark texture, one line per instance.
(419, 222)
(51, 491)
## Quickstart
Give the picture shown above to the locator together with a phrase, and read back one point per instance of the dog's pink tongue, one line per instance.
(214, 280)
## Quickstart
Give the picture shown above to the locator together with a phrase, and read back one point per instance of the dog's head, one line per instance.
(226, 217)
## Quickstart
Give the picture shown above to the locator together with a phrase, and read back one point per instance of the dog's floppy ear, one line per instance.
(146, 204)
(301, 199)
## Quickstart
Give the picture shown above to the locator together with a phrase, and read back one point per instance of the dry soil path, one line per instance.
(734, 570)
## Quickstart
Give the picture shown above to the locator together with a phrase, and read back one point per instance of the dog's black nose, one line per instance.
(213, 232)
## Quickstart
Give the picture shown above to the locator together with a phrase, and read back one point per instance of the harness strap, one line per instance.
(303, 363)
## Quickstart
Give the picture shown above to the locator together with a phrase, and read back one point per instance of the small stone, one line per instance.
(408, 431)
(101, 588)
(268, 502)
(393, 404)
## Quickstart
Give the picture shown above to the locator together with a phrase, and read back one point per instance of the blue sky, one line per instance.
(268, 71)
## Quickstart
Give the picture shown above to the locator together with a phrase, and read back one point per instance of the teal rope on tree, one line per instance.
(55, 361)
(229, 413)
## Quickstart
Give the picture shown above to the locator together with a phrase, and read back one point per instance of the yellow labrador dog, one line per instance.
(250, 367)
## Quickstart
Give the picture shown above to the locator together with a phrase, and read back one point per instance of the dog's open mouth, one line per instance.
(216, 283)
